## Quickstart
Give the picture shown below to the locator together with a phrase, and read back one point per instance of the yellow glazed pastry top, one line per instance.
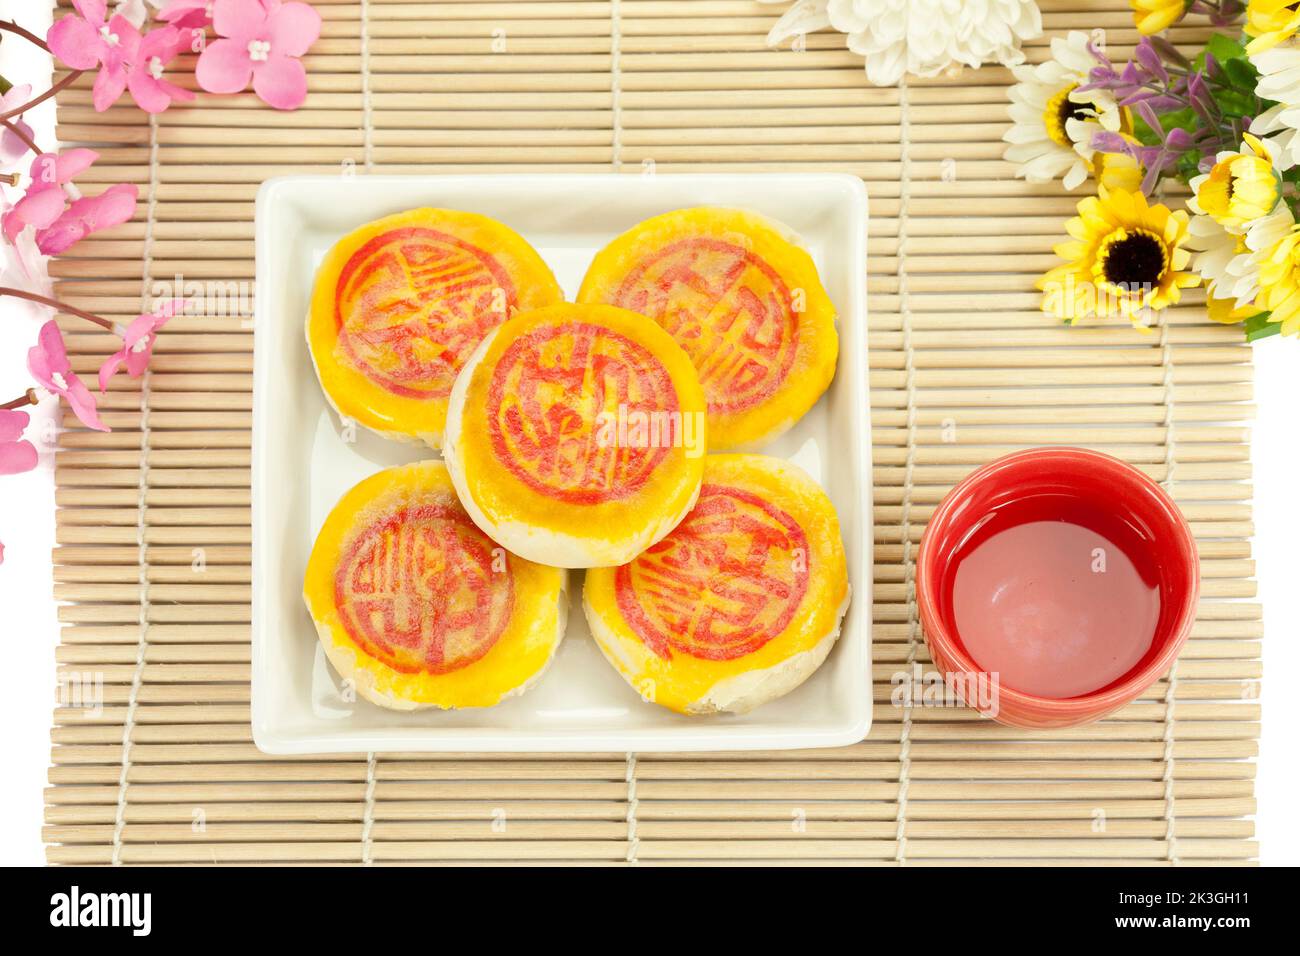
(741, 600)
(417, 606)
(400, 303)
(575, 432)
(742, 299)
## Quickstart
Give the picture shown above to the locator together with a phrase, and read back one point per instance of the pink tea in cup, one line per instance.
(1055, 605)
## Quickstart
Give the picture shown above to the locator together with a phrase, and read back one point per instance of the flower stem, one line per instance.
(10, 27)
(56, 88)
(56, 304)
(30, 397)
(17, 131)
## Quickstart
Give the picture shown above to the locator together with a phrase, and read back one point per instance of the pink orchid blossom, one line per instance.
(17, 454)
(261, 39)
(187, 14)
(114, 206)
(44, 200)
(134, 11)
(20, 261)
(86, 41)
(48, 362)
(144, 78)
(44, 208)
(137, 342)
(12, 147)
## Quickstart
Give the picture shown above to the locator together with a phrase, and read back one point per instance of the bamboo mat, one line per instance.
(154, 521)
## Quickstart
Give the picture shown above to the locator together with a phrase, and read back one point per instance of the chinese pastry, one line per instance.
(743, 299)
(739, 604)
(418, 608)
(400, 303)
(576, 435)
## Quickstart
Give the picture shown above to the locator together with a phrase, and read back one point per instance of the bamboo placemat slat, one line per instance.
(153, 522)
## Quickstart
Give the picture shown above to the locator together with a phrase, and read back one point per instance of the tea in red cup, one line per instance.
(1062, 582)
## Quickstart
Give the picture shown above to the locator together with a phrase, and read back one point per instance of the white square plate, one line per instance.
(302, 465)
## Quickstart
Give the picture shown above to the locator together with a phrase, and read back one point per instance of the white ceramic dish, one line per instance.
(302, 464)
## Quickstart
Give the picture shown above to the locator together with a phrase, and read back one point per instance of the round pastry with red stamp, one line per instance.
(576, 435)
(416, 607)
(400, 303)
(743, 298)
(740, 604)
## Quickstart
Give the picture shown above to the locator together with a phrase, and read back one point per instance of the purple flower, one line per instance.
(1146, 55)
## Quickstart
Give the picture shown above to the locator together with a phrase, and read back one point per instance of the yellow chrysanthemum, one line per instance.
(1226, 310)
(1270, 22)
(1119, 170)
(1279, 282)
(1152, 16)
(1125, 256)
(1240, 187)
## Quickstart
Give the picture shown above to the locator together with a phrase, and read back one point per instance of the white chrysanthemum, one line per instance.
(1279, 73)
(1217, 251)
(1279, 126)
(922, 37)
(1053, 121)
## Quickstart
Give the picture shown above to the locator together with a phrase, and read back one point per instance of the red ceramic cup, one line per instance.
(1059, 482)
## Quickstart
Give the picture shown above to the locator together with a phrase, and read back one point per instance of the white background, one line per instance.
(29, 630)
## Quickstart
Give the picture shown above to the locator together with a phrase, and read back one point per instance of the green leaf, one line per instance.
(1259, 327)
(1242, 73)
(1189, 165)
(1224, 48)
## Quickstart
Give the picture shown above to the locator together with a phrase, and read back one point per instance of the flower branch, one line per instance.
(8, 26)
(102, 322)
(29, 397)
(57, 88)
(258, 43)
(1224, 123)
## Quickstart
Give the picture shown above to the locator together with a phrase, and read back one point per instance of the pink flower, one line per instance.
(12, 148)
(48, 362)
(144, 79)
(17, 454)
(137, 342)
(261, 39)
(114, 206)
(86, 41)
(134, 11)
(191, 14)
(43, 207)
(20, 261)
(44, 200)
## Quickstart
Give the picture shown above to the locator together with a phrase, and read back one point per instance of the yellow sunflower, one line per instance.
(1279, 282)
(1152, 16)
(1270, 22)
(1125, 256)
(1240, 188)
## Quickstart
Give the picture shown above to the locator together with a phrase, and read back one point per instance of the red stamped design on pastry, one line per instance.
(418, 590)
(545, 403)
(730, 311)
(726, 581)
(412, 304)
